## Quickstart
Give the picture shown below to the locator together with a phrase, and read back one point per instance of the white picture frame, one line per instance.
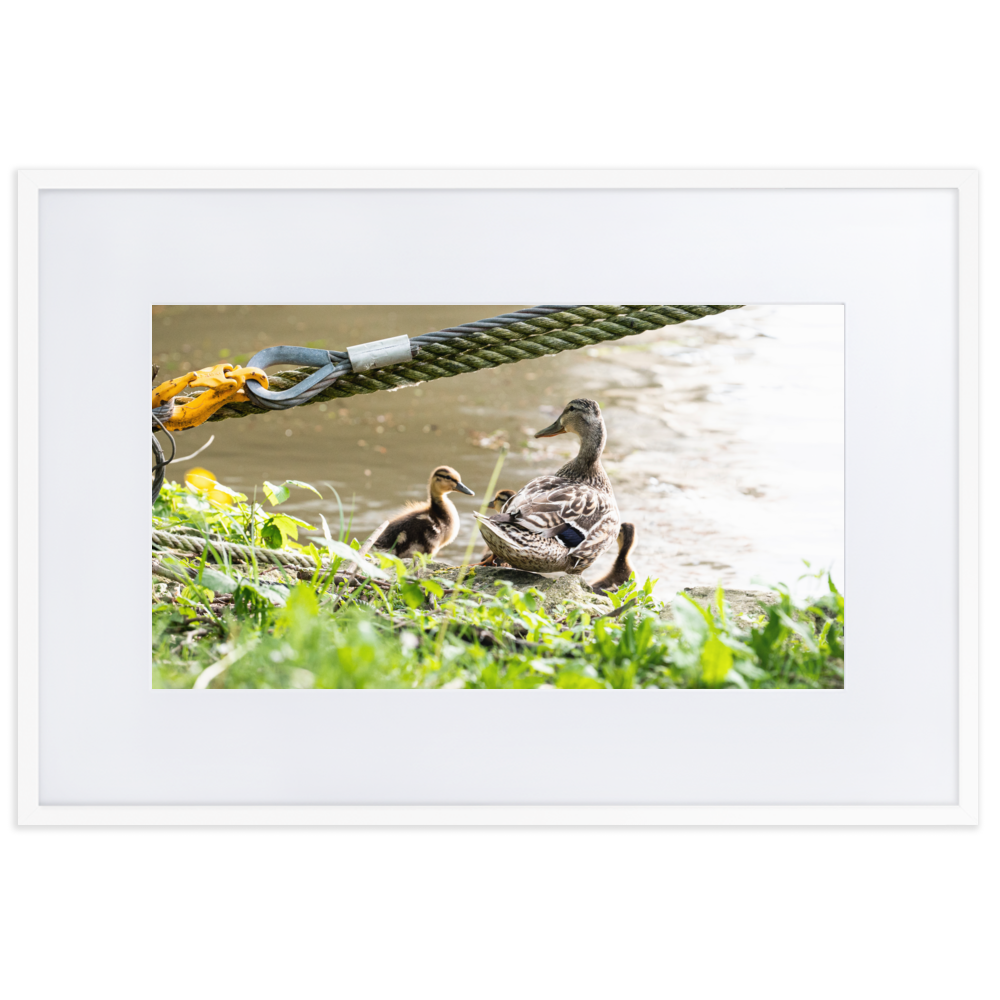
(898, 745)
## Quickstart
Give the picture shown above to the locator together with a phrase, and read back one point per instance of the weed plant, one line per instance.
(377, 622)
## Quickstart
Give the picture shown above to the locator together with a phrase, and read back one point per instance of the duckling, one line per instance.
(500, 499)
(428, 526)
(497, 504)
(621, 570)
(561, 522)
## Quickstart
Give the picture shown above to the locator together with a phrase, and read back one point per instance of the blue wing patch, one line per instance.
(570, 537)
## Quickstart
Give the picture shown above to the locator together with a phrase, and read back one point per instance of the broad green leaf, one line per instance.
(292, 521)
(303, 486)
(288, 529)
(688, 615)
(276, 593)
(432, 587)
(411, 594)
(704, 612)
(276, 494)
(218, 581)
(716, 662)
(747, 669)
(532, 599)
(288, 526)
(270, 536)
(388, 561)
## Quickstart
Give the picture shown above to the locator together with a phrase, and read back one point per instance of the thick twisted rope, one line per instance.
(244, 553)
(502, 340)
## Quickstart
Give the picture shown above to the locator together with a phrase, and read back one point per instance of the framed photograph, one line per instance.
(433, 543)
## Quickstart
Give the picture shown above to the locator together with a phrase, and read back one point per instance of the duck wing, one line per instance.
(575, 513)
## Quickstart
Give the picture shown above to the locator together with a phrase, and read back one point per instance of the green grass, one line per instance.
(251, 628)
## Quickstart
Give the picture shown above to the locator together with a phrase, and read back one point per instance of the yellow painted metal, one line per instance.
(168, 390)
(223, 383)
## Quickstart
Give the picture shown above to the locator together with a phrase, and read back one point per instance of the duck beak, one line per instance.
(462, 488)
(552, 430)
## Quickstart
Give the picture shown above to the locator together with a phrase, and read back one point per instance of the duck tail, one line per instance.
(491, 529)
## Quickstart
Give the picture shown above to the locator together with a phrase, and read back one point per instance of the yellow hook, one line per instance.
(223, 384)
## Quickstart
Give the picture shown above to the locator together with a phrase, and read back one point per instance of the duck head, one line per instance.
(580, 416)
(444, 479)
(500, 499)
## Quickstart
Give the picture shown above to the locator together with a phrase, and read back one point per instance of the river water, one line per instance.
(725, 436)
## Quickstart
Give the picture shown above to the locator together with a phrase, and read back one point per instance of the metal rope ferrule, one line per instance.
(379, 353)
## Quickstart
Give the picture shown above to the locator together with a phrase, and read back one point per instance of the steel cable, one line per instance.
(488, 343)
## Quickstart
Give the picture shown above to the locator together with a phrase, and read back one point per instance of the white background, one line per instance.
(890, 737)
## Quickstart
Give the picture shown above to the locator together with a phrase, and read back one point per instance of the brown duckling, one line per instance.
(500, 499)
(497, 504)
(426, 527)
(621, 570)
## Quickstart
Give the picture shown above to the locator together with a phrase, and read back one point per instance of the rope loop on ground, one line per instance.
(196, 545)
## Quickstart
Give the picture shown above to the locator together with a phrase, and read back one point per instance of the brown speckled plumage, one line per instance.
(560, 522)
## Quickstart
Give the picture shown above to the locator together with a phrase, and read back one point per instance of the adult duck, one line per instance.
(561, 522)
(621, 570)
(428, 526)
